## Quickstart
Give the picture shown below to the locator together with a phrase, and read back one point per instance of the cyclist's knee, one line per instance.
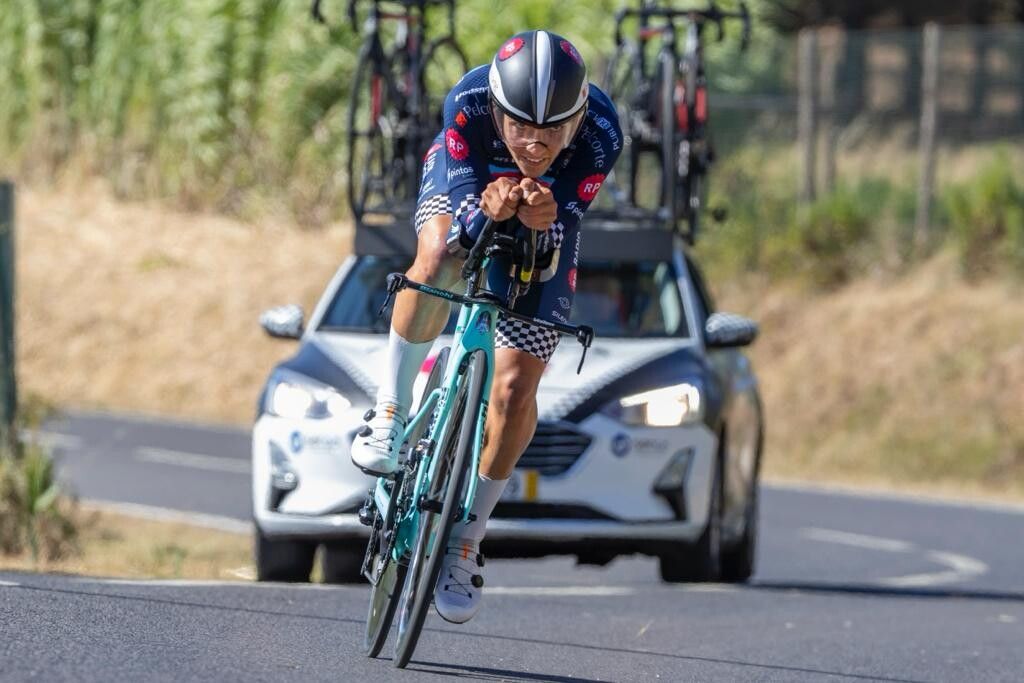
(433, 263)
(516, 377)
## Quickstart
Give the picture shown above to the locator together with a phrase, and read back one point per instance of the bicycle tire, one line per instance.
(419, 586)
(621, 80)
(435, 87)
(668, 138)
(367, 152)
(384, 595)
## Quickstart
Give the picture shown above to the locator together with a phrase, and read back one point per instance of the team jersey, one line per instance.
(474, 156)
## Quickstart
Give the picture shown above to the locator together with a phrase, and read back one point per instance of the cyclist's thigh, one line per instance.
(550, 299)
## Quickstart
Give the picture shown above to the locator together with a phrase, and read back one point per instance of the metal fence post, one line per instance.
(8, 388)
(929, 125)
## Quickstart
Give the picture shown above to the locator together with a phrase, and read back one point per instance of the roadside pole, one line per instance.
(8, 388)
(807, 129)
(928, 126)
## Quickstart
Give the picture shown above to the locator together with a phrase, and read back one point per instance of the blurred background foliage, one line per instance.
(239, 106)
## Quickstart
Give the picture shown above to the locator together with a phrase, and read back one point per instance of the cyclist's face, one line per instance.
(534, 149)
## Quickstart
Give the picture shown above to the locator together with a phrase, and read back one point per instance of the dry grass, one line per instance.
(137, 307)
(115, 545)
(912, 381)
(894, 380)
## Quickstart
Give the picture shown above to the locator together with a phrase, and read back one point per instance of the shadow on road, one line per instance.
(482, 673)
(887, 591)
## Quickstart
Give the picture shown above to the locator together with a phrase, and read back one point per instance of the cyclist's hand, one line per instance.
(539, 208)
(501, 198)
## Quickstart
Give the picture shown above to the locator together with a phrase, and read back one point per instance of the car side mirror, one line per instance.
(728, 330)
(283, 322)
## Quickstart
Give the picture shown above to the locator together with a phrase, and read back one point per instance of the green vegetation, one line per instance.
(235, 105)
(34, 515)
(857, 228)
(987, 219)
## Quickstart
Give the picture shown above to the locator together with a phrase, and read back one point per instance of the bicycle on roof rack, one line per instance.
(663, 107)
(396, 99)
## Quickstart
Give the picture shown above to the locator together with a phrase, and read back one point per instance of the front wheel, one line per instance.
(453, 457)
(369, 154)
(702, 561)
(391, 574)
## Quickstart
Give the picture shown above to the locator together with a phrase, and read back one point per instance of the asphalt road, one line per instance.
(848, 587)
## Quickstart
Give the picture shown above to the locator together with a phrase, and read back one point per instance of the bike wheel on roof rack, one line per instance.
(370, 131)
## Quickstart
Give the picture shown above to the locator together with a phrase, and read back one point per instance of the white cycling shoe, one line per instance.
(375, 448)
(460, 584)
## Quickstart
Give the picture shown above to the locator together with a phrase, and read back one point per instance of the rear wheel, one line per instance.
(446, 485)
(342, 562)
(285, 560)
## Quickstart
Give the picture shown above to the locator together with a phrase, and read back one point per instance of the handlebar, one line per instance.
(712, 14)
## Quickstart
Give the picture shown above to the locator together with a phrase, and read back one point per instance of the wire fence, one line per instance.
(862, 92)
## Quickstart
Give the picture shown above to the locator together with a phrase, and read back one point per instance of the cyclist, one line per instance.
(525, 137)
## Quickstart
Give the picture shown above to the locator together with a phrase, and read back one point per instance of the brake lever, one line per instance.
(396, 283)
(585, 336)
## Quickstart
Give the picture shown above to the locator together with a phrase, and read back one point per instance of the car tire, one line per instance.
(343, 562)
(701, 561)
(289, 561)
(738, 561)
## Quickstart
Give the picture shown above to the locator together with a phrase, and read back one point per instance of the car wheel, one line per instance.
(701, 561)
(290, 561)
(738, 562)
(343, 562)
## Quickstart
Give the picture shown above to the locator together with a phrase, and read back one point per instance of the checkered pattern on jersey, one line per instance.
(436, 205)
(534, 340)
(468, 205)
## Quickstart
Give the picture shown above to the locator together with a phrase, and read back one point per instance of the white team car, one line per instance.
(654, 448)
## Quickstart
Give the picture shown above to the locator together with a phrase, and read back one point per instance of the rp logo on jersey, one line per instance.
(457, 147)
(589, 187)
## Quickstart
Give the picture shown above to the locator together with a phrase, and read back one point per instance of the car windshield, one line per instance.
(616, 299)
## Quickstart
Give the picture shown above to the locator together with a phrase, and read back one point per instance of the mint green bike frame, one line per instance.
(474, 332)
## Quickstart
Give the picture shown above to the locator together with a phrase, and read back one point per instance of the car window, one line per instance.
(629, 300)
(616, 299)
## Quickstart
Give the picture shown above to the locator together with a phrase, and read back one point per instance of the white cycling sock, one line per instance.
(488, 492)
(405, 358)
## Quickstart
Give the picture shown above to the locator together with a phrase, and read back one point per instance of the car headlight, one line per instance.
(293, 400)
(671, 406)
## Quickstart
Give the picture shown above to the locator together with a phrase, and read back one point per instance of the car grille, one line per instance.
(554, 448)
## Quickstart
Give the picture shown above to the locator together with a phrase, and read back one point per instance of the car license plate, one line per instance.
(522, 486)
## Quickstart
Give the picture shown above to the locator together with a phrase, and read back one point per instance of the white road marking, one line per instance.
(219, 522)
(961, 568)
(561, 591)
(856, 540)
(11, 584)
(882, 494)
(54, 439)
(196, 460)
(246, 573)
